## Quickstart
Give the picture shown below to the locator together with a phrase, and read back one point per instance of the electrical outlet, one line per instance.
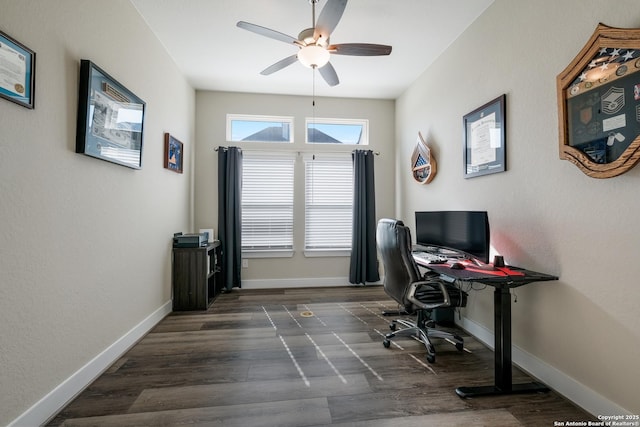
(245, 263)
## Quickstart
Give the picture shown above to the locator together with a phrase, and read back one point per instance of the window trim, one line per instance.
(260, 118)
(333, 121)
(268, 253)
(329, 253)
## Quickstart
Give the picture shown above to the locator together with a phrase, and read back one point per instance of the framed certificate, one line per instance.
(110, 118)
(17, 71)
(484, 139)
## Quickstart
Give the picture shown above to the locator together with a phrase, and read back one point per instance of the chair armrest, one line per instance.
(414, 287)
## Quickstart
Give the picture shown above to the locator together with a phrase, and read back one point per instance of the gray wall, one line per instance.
(84, 244)
(212, 108)
(580, 334)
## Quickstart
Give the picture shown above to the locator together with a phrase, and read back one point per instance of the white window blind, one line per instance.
(267, 201)
(328, 203)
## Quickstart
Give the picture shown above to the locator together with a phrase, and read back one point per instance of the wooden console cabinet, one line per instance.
(196, 276)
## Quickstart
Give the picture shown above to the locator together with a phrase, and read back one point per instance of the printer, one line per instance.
(192, 240)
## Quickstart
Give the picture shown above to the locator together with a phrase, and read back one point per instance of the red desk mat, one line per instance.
(473, 272)
(498, 271)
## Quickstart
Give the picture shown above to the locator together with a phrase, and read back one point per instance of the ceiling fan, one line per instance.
(313, 42)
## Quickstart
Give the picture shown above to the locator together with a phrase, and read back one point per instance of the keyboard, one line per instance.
(429, 258)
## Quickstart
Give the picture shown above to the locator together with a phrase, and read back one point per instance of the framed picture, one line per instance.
(17, 71)
(110, 118)
(485, 140)
(210, 236)
(599, 104)
(173, 153)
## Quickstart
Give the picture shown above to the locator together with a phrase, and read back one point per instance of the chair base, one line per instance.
(395, 313)
(423, 332)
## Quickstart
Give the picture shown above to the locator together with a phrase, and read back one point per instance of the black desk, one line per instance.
(502, 279)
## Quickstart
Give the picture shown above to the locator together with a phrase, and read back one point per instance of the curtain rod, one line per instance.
(377, 153)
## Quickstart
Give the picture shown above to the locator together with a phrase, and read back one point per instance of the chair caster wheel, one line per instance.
(431, 354)
(386, 343)
(459, 345)
(393, 326)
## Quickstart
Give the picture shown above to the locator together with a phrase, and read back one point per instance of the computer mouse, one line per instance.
(457, 266)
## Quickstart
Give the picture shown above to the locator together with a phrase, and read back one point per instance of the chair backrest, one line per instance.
(400, 269)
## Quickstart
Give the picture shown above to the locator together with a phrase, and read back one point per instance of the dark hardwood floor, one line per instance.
(300, 357)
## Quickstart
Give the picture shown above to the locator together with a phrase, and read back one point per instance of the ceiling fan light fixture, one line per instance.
(314, 48)
(313, 56)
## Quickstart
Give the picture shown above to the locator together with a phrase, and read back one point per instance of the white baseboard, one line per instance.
(55, 400)
(588, 399)
(298, 283)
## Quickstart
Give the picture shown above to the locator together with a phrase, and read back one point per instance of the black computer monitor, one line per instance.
(466, 231)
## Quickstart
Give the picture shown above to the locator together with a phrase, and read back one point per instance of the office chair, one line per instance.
(415, 293)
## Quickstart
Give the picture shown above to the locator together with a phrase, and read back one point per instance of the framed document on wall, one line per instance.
(17, 72)
(484, 139)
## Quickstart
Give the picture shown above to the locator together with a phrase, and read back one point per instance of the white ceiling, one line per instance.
(214, 54)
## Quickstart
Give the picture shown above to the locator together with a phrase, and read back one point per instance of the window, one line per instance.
(259, 128)
(328, 204)
(267, 202)
(337, 131)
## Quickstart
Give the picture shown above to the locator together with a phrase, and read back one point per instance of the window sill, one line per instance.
(271, 253)
(314, 253)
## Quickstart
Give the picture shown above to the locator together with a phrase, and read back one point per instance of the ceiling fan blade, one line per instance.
(329, 74)
(360, 49)
(267, 32)
(329, 18)
(279, 65)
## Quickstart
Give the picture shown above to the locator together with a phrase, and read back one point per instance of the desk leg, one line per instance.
(502, 331)
(503, 362)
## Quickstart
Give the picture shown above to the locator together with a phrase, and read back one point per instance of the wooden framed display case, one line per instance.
(599, 104)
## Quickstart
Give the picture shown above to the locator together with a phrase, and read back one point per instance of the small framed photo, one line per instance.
(485, 139)
(17, 72)
(110, 118)
(173, 153)
(210, 235)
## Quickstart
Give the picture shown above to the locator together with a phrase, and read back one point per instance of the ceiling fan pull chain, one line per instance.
(311, 137)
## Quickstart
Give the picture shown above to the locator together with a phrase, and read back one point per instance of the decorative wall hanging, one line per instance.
(110, 118)
(423, 163)
(485, 139)
(599, 104)
(17, 71)
(173, 153)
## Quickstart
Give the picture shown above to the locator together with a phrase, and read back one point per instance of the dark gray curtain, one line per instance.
(230, 214)
(364, 260)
